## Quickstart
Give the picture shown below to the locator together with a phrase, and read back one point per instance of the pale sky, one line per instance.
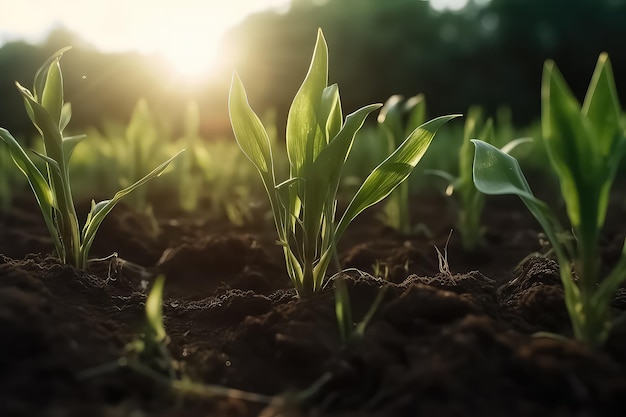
(184, 32)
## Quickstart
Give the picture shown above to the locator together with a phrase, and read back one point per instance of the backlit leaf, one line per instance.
(392, 171)
(154, 310)
(497, 173)
(249, 131)
(99, 211)
(304, 132)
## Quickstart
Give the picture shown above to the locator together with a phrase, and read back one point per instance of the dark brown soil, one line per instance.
(441, 344)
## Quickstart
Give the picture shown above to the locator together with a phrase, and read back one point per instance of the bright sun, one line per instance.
(189, 47)
(186, 33)
(191, 61)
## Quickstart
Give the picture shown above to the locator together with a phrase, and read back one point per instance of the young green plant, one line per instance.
(585, 145)
(348, 330)
(469, 200)
(148, 355)
(318, 144)
(397, 119)
(50, 115)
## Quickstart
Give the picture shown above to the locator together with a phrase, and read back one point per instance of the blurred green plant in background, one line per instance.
(12, 182)
(212, 178)
(469, 202)
(397, 119)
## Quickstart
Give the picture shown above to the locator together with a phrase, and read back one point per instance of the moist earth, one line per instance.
(474, 339)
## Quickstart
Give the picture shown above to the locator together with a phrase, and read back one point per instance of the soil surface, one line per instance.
(457, 342)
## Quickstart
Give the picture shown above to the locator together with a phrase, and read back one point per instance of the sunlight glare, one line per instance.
(448, 4)
(185, 33)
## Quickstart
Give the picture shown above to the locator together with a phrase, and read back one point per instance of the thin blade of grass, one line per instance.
(100, 210)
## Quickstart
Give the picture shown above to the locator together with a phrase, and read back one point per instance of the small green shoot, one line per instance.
(585, 145)
(348, 331)
(319, 141)
(150, 350)
(50, 115)
(149, 356)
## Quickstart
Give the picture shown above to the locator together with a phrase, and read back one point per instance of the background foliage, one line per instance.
(490, 53)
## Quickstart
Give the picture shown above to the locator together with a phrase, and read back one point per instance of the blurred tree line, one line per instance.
(490, 53)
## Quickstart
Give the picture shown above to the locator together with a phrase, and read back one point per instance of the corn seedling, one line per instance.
(149, 356)
(397, 119)
(50, 115)
(348, 330)
(318, 143)
(149, 353)
(469, 200)
(585, 145)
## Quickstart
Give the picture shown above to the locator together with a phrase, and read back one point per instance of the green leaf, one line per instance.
(392, 171)
(322, 184)
(359, 331)
(390, 118)
(52, 96)
(328, 165)
(52, 164)
(567, 140)
(99, 211)
(46, 125)
(497, 173)
(66, 116)
(331, 112)
(602, 108)
(450, 179)
(154, 310)
(510, 146)
(249, 131)
(343, 310)
(42, 73)
(304, 133)
(416, 106)
(38, 184)
(69, 144)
